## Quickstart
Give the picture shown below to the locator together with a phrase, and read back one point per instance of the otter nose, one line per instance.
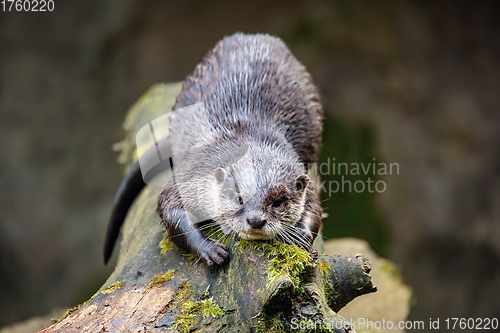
(256, 223)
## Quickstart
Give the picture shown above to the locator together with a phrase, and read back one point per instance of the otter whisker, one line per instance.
(206, 226)
(299, 238)
(286, 237)
(296, 229)
(228, 237)
(295, 233)
(282, 233)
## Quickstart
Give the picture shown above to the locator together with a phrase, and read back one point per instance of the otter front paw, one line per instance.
(213, 252)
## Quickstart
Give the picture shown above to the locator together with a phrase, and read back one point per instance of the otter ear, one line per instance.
(220, 175)
(301, 183)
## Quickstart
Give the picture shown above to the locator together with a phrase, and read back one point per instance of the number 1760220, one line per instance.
(27, 5)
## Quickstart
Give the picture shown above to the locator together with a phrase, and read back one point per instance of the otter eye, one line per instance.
(239, 200)
(280, 202)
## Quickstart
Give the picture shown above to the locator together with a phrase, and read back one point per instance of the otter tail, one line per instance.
(129, 189)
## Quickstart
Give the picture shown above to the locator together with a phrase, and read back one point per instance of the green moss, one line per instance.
(191, 309)
(291, 262)
(266, 324)
(284, 260)
(69, 312)
(185, 291)
(325, 266)
(165, 245)
(329, 295)
(191, 258)
(159, 279)
(206, 293)
(189, 315)
(111, 288)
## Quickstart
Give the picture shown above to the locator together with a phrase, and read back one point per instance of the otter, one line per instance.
(241, 154)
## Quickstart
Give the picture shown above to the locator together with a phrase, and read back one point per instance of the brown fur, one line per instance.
(255, 94)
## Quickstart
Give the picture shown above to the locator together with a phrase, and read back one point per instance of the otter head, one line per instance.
(261, 195)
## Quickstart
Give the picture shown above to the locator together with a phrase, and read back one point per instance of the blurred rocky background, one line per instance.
(410, 82)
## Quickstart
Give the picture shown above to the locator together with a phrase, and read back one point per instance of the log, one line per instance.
(266, 285)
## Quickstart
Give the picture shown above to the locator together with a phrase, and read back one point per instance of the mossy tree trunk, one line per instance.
(266, 286)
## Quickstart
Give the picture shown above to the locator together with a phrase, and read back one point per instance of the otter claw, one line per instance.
(215, 253)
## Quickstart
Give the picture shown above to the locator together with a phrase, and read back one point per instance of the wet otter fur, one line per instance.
(241, 157)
